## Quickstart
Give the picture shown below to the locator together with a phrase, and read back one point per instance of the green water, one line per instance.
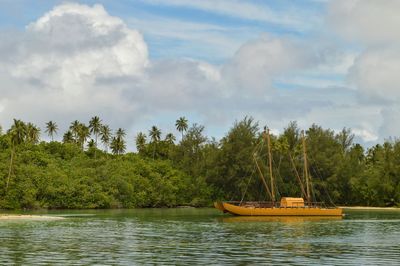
(200, 236)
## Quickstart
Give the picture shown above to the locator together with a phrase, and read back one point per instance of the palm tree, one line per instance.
(95, 127)
(68, 137)
(32, 133)
(51, 129)
(105, 135)
(118, 145)
(140, 141)
(83, 134)
(181, 125)
(155, 134)
(17, 134)
(91, 144)
(170, 138)
(120, 133)
(74, 127)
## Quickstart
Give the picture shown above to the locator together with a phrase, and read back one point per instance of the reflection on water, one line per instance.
(201, 236)
(282, 219)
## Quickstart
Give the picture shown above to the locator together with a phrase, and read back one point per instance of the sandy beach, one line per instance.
(368, 208)
(28, 217)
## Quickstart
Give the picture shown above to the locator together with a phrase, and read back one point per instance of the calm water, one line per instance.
(200, 236)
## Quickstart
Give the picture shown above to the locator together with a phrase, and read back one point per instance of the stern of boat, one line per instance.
(219, 206)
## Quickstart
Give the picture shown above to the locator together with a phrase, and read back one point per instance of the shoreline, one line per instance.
(368, 208)
(28, 217)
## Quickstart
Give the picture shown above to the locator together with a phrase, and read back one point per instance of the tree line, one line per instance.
(90, 167)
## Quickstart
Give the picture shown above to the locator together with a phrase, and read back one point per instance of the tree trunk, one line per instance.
(10, 168)
(95, 147)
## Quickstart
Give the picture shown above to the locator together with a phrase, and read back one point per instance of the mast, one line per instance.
(306, 175)
(270, 167)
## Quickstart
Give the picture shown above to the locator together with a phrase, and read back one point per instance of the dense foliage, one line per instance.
(194, 170)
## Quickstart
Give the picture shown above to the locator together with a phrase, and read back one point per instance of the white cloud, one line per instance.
(72, 45)
(176, 85)
(58, 62)
(1, 107)
(335, 62)
(257, 63)
(365, 135)
(373, 26)
(370, 21)
(376, 73)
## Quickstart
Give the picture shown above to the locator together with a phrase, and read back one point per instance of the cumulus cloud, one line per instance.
(57, 62)
(76, 44)
(257, 63)
(372, 26)
(376, 73)
(177, 84)
(368, 21)
(390, 123)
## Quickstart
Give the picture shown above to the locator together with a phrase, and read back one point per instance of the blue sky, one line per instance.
(147, 15)
(140, 63)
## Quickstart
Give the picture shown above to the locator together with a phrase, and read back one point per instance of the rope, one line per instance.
(247, 186)
(320, 178)
(277, 175)
(251, 176)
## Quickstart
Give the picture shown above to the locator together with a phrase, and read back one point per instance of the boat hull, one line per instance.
(218, 205)
(255, 211)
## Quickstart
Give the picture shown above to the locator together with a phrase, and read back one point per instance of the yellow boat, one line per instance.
(246, 209)
(288, 206)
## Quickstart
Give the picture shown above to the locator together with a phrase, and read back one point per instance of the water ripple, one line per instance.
(197, 237)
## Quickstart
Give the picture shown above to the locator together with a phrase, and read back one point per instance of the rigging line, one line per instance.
(297, 175)
(277, 173)
(262, 176)
(261, 192)
(320, 178)
(258, 151)
(325, 189)
(267, 136)
(247, 186)
(262, 195)
(251, 176)
(311, 184)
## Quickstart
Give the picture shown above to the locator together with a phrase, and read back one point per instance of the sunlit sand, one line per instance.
(28, 217)
(368, 208)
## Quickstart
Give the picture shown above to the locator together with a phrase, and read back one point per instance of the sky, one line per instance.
(138, 63)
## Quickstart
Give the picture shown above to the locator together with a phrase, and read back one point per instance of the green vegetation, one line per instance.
(79, 172)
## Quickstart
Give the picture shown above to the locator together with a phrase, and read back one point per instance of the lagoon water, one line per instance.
(200, 236)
